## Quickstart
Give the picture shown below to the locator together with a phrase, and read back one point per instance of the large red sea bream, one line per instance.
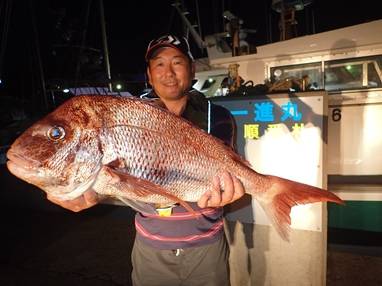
(129, 149)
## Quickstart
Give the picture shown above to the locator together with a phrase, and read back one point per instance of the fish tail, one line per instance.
(283, 194)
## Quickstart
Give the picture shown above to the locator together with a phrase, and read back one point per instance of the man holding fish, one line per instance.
(156, 156)
(172, 245)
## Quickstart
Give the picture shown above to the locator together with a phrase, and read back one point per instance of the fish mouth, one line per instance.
(19, 165)
(33, 172)
(30, 171)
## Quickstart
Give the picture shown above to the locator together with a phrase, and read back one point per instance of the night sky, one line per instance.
(46, 37)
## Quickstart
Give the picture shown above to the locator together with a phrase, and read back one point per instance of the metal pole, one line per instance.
(104, 43)
(195, 34)
(4, 33)
(83, 40)
(38, 55)
(199, 25)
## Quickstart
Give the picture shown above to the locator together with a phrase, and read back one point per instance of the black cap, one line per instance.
(179, 43)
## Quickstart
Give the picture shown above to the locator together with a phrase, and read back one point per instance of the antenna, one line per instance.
(238, 35)
(287, 10)
(201, 44)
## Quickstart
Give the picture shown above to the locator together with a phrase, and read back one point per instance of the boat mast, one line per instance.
(104, 44)
(38, 55)
(201, 44)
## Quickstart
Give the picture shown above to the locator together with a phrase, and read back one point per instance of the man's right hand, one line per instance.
(85, 201)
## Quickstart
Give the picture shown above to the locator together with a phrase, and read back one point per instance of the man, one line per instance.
(173, 247)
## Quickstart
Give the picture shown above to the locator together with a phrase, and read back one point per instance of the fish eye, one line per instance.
(56, 133)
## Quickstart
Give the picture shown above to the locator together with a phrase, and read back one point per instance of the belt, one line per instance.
(177, 251)
(165, 210)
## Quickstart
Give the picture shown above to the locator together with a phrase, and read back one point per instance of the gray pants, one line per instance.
(205, 266)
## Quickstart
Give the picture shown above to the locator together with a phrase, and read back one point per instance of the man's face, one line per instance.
(170, 73)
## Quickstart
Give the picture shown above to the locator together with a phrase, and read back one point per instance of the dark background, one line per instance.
(61, 41)
(49, 44)
(46, 46)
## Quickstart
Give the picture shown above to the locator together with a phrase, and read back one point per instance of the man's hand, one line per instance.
(85, 201)
(233, 190)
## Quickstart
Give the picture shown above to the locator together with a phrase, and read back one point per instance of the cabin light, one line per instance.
(1, 81)
(65, 90)
(118, 86)
(210, 80)
(277, 73)
(348, 67)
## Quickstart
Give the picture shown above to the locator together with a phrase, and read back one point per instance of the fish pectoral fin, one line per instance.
(138, 206)
(142, 187)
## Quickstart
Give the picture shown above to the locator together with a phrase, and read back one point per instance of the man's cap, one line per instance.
(179, 43)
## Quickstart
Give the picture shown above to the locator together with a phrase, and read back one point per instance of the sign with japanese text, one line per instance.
(282, 135)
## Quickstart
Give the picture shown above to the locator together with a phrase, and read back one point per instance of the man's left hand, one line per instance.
(233, 190)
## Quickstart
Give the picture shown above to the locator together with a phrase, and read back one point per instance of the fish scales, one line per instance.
(132, 149)
(151, 160)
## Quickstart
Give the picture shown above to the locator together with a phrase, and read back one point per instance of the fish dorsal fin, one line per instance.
(142, 187)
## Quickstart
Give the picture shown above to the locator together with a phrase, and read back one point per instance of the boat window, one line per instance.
(212, 85)
(312, 71)
(208, 83)
(345, 74)
(353, 73)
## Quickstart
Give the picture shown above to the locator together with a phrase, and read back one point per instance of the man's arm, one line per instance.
(223, 127)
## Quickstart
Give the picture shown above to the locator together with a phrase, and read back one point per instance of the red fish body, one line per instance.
(130, 149)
